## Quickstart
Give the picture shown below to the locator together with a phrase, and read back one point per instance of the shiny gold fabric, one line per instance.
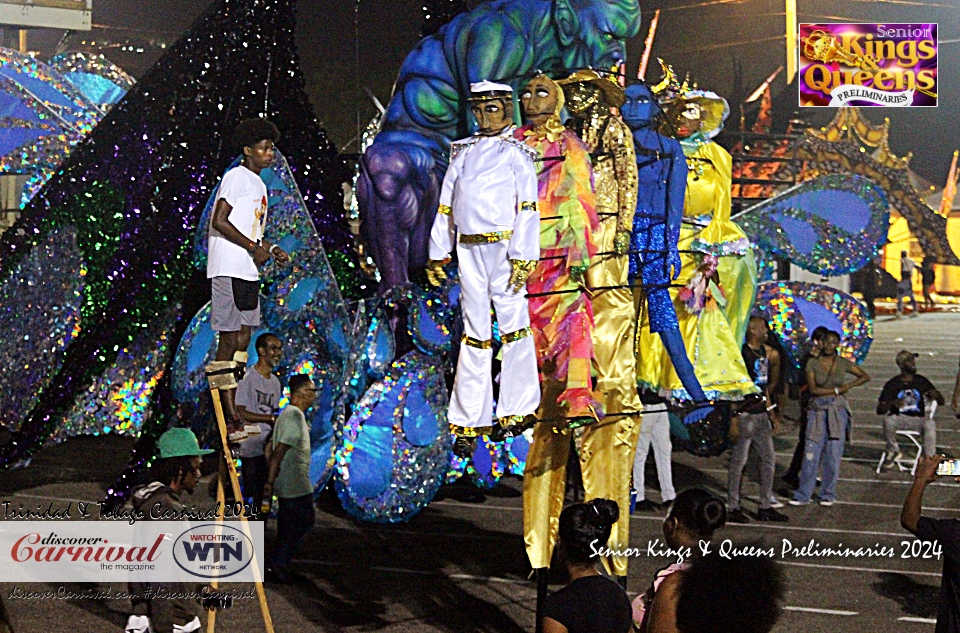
(605, 449)
(606, 460)
(545, 478)
(714, 337)
(486, 238)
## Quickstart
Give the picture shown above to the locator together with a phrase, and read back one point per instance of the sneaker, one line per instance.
(775, 503)
(737, 516)
(666, 505)
(646, 505)
(137, 624)
(797, 502)
(826, 502)
(890, 459)
(769, 514)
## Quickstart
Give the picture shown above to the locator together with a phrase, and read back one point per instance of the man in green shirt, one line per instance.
(288, 476)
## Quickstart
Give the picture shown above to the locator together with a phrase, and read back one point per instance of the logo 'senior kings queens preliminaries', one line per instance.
(868, 65)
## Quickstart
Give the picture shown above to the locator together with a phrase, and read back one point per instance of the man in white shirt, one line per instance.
(489, 197)
(235, 249)
(905, 287)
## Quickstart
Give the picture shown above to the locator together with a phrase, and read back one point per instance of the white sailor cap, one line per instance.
(483, 90)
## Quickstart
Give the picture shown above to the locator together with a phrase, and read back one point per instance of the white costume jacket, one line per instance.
(488, 211)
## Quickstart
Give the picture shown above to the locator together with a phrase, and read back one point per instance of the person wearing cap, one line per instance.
(488, 214)
(903, 403)
(174, 473)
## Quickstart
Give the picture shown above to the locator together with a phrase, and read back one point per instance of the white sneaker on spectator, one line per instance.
(775, 503)
(137, 624)
(890, 459)
(826, 502)
(189, 627)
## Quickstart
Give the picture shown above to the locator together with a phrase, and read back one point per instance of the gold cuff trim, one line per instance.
(470, 431)
(512, 420)
(444, 210)
(528, 206)
(486, 238)
(475, 342)
(240, 357)
(510, 337)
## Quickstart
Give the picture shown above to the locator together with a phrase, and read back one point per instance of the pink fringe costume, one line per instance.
(562, 322)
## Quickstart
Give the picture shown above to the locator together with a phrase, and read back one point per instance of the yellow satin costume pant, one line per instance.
(605, 449)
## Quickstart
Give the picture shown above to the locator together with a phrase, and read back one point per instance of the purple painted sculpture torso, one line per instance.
(501, 40)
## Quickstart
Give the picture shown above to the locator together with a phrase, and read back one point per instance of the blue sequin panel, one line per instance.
(832, 225)
(381, 475)
(794, 309)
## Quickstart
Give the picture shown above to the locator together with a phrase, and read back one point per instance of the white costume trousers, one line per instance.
(654, 429)
(484, 277)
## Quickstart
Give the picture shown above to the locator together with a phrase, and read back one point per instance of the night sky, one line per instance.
(706, 38)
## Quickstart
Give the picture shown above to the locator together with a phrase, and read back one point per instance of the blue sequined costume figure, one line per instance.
(654, 258)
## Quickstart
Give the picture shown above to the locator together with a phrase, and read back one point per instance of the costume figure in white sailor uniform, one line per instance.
(488, 210)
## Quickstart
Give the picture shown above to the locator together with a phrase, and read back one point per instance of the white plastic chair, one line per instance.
(904, 463)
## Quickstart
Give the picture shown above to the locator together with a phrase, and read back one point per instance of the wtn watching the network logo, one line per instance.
(213, 551)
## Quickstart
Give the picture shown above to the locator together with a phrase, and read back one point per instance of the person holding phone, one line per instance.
(946, 532)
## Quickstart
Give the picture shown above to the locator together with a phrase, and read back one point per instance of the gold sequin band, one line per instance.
(444, 210)
(486, 238)
(475, 342)
(470, 431)
(510, 337)
(528, 206)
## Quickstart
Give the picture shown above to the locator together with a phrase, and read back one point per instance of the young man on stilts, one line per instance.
(236, 249)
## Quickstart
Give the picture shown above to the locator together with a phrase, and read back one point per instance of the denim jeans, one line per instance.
(755, 429)
(295, 518)
(825, 452)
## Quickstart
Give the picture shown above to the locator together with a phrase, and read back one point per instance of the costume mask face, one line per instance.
(493, 115)
(639, 109)
(581, 97)
(688, 123)
(593, 32)
(540, 100)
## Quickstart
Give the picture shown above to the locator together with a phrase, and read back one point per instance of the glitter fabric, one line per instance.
(135, 188)
(42, 117)
(40, 316)
(793, 309)
(832, 225)
(100, 81)
(382, 476)
(435, 318)
(488, 463)
(121, 398)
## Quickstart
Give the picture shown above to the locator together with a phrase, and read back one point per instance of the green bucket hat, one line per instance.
(180, 442)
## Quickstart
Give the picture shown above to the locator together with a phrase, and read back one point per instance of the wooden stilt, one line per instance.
(238, 496)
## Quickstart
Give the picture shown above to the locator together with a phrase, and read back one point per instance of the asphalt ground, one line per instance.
(460, 564)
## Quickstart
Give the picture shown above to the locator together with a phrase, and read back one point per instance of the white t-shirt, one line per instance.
(245, 192)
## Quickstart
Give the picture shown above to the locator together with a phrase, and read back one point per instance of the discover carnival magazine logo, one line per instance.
(892, 65)
(147, 551)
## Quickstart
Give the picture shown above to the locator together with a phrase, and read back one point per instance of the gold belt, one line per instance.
(486, 238)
